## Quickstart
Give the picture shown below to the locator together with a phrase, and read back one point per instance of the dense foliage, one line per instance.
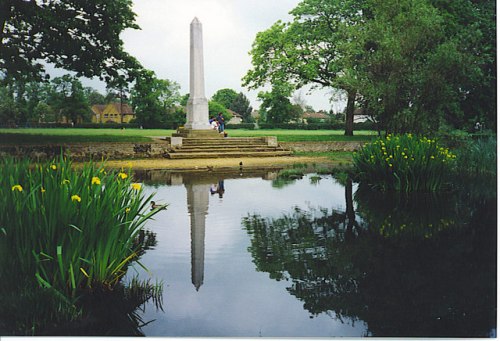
(73, 35)
(153, 99)
(413, 65)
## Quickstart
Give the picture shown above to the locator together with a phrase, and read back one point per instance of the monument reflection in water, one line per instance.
(299, 260)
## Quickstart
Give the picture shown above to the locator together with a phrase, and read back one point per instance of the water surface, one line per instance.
(311, 258)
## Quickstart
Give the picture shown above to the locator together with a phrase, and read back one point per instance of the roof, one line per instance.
(315, 115)
(126, 109)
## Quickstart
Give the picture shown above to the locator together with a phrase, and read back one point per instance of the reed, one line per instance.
(70, 231)
(404, 163)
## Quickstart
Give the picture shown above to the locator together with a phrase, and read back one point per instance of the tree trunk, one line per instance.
(350, 214)
(349, 113)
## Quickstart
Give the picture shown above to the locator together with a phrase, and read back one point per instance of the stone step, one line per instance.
(232, 146)
(235, 154)
(221, 142)
(224, 150)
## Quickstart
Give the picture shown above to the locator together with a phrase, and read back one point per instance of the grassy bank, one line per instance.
(80, 135)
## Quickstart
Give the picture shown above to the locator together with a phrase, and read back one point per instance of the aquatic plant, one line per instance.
(404, 163)
(478, 157)
(70, 231)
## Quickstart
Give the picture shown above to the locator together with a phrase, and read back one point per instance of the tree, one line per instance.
(214, 108)
(413, 64)
(80, 36)
(315, 48)
(277, 105)
(413, 74)
(93, 96)
(241, 105)
(225, 97)
(68, 99)
(153, 98)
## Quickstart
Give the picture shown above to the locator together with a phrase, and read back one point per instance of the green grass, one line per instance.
(81, 135)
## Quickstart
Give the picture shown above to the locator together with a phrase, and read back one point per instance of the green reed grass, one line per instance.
(404, 163)
(478, 157)
(72, 231)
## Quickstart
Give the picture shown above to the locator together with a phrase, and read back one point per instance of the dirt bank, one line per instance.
(144, 164)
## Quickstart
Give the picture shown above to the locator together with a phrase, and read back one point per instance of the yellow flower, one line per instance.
(96, 181)
(17, 187)
(76, 198)
(54, 167)
(122, 175)
(127, 210)
(65, 181)
(43, 190)
(136, 186)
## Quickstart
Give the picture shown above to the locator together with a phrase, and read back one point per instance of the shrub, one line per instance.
(404, 163)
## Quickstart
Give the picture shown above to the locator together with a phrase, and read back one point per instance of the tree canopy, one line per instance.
(153, 98)
(412, 64)
(78, 36)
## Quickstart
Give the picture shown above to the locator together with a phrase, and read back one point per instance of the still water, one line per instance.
(247, 255)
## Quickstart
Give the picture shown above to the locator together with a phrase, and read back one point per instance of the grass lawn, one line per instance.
(81, 135)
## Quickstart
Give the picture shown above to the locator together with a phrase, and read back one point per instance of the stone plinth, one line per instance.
(191, 133)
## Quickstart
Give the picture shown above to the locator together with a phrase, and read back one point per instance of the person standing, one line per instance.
(220, 120)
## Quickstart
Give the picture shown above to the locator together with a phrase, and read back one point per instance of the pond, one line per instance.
(249, 255)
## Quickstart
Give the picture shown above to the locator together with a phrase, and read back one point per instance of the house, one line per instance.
(236, 119)
(112, 113)
(315, 116)
(360, 116)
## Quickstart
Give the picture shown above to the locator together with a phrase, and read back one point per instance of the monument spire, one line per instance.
(197, 106)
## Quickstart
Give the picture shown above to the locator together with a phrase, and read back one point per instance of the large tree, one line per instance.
(67, 98)
(415, 73)
(277, 105)
(241, 105)
(315, 48)
(80, 36)
(225, 97)
(153, 98)
(414, 64)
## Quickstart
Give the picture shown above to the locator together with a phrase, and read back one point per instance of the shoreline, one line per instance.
(220, 163)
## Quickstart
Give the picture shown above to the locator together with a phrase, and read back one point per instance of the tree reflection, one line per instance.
(407, 266)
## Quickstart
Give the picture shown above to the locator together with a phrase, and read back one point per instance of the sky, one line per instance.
(229, 29)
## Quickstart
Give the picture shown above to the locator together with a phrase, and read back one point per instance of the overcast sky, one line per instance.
(229, 29)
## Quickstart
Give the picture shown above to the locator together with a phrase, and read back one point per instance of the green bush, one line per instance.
(72, 231)
(404, 163)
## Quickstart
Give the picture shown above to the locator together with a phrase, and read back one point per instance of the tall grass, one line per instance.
(404, 163)
(478, 157)
(69, 231)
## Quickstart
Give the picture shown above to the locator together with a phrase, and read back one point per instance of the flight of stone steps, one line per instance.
(195, 148)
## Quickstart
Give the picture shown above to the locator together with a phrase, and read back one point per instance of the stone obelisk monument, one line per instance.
(197, 124)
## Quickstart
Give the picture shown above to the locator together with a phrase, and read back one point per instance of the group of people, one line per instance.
(217, 123)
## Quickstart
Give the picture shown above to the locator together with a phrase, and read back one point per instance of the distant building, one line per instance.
(360, 116)
(236, 119)
(316, 116)
(112, 113)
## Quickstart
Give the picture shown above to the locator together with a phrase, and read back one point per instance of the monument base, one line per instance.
(202, 134)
